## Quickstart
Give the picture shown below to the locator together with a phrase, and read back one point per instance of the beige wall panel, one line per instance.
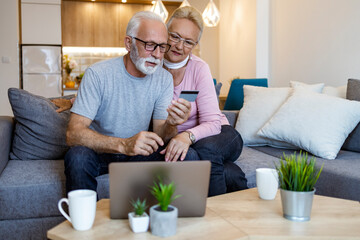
(208, 48)
(237, 41)
(315, 41)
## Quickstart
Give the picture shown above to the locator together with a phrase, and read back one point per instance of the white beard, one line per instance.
(140, 63)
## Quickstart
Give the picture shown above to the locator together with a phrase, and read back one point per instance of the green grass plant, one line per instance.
(297, 172)
(138, 206)
(163, 194)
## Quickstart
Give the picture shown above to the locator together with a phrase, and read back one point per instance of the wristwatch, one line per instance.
(192, 137)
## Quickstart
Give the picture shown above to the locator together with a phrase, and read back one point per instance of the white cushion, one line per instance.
(260, 104)
(335, 91)
(318, 87)
(315, 122)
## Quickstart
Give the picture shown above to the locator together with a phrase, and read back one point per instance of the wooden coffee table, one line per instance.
(239, 215)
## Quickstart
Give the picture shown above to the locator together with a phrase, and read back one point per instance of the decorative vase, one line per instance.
(69, 81)
(163, 224)
(297, 205)
(138, 224)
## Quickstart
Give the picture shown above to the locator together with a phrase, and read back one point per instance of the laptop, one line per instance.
(132, 180)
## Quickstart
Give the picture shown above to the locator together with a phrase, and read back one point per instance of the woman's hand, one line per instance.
(179, 112)
(177, 147)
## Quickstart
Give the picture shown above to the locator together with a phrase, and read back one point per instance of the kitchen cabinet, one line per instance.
(98, 24)
(41, 21)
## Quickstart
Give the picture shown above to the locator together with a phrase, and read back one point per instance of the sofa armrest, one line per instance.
(231, 116)
(6, 132)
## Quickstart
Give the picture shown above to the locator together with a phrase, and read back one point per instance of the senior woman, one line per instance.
(207, 133)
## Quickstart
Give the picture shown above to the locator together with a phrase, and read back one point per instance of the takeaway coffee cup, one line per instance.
(267, 183)
(82, 208)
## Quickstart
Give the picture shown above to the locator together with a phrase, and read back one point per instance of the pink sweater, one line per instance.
(205, 117)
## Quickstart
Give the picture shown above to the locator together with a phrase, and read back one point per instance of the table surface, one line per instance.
(238, 215)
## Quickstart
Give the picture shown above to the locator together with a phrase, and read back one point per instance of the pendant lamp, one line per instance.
(160, 9)
(211, 15)
(185, 3)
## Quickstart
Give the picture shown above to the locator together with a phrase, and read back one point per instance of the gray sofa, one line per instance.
(30, 189)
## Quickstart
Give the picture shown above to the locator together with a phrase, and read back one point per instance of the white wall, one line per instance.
(209, 43)
(9, 72)
(237, 56)
(314, 41)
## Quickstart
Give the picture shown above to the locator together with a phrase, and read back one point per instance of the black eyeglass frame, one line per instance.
(153, 48)
(191, 42)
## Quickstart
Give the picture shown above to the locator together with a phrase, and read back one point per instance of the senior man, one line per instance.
(117, 100)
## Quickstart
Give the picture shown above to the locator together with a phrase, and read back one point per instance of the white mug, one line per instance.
(267, 182)
(82, 208)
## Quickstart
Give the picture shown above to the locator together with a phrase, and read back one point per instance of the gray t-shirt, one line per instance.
(120, 104)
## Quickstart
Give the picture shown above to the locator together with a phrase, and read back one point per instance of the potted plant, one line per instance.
(297, 178)
(163, 216)
(139, 219)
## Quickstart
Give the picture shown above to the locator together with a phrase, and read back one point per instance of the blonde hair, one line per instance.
(189, 13)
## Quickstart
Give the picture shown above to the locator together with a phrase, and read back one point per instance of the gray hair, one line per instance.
(134, 23)
(191, 14)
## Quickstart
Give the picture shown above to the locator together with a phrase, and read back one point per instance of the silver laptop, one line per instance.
(132, 180)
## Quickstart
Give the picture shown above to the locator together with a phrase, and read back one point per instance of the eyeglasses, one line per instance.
(151, 46)
(176, 38)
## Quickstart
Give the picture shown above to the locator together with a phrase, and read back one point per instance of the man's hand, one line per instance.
(62, 104)
(179, 112)
(177, 147)
(144, 143)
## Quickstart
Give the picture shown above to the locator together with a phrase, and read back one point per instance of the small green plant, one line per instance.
(297, 173)
(139, 206)
(163, 194)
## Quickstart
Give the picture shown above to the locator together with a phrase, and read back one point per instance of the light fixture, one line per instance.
(211, 15)
(185, 3)
(123, 1)
(160, 9)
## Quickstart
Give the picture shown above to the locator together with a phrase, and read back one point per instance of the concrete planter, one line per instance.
(138, 224)
(163, 224)
(297, 205)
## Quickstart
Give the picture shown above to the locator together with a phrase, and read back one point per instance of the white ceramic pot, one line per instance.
(138, 224)
(163, 224)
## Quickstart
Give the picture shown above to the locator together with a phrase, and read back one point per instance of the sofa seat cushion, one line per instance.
(251, 159)
(31, 189)
(339, 178)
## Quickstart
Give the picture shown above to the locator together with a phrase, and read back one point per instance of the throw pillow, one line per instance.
(335, 91)
(39, 130)
(315, 122)
(352, 143)
(318, 87)
(260, 104)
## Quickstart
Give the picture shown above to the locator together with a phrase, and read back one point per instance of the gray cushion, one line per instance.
(39, 130)
(352, 142)
(31, 189)
(231, 115)
(251, 159)
(339, 178)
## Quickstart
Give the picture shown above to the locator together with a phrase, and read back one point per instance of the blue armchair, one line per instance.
(235, 98)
